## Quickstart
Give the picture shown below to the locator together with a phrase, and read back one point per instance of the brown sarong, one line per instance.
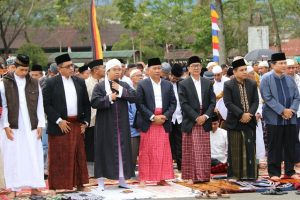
(196, 157)
(67, 159)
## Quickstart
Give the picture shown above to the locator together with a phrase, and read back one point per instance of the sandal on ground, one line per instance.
(295, 176)
(298, 192)
(275, 178)
(163, 183)
(202, 195)
(274, 192)
(12, 195)
(212, 195)
(223, 193)
(36, 192)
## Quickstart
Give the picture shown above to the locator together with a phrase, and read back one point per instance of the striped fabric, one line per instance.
(241, 155)
(215, 30)
(95, 33)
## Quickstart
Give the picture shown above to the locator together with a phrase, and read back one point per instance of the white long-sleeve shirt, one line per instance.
(218, 145)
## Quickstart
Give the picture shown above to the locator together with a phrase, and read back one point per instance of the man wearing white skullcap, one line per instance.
(11, 63)
(291, 71)
(112, 130)
(263, 67)
(219, 81)
(136, 76)
(210, 66)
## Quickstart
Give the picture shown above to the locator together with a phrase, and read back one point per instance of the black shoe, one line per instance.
(124, 187)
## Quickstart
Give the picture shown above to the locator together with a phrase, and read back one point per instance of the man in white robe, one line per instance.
(219, 81)
(23, 120)
(218, 146)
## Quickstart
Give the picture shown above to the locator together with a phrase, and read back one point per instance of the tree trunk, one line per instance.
(26, 35)
(222, 51)
(275, 27)
(251, 13)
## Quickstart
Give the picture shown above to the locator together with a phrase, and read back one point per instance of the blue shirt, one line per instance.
(132, 113)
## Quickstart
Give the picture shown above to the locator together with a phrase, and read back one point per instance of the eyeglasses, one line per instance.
(68, 66)
(195, 66)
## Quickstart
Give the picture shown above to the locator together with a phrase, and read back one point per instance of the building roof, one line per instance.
(88, 55)
(180, 54)
(290, 48)
(66, 36)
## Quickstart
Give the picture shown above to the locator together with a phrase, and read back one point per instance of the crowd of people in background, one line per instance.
(134, 120)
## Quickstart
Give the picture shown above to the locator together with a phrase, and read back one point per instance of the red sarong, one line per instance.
(155, 158)
(196, 157)
(67, 159)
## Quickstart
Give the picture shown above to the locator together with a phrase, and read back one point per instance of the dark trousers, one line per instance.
(135, 144)
(297, 142)
(175, 138)
(89, 144)
(281, 146)
(241, 155)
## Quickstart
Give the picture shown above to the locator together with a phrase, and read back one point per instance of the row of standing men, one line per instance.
(66, 103)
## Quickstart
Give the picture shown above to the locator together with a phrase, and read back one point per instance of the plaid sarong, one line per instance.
(196, 156)
(67, 159)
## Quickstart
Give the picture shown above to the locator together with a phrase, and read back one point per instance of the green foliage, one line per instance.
(157, 23)
(202, 30)
(154, 23)
(148, 50)
(35, 53)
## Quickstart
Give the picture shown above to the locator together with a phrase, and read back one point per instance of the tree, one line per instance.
(17, 15)
(35, 53)
(158, 23)
(275, 27)
(13, 15)
(126, 42)
(202, 29)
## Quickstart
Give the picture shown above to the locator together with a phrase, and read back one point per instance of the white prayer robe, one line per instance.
(260, 144)
(219, 86)
(90, 84)
(219, 145)
(23, 157)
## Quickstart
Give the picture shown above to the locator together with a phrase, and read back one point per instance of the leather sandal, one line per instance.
(224, 193)
(202, 195)
(212, 195)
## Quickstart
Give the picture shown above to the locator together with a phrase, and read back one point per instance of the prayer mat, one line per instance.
(217, 185)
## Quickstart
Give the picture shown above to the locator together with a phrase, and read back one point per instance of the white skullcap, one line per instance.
(210, 64)
(11, 60)
(112, 63)
(217, 69)
(249, 69)
(263, 64)
(290, 62)
(133, 72)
